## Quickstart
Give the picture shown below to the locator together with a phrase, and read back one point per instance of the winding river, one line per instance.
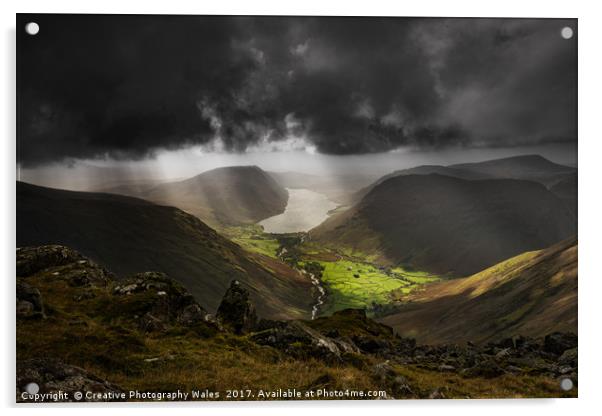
(321, 295)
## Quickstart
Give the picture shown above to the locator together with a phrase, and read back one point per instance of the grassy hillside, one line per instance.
(220, 197)
(130, 235)
(448, 225)
(531, 294)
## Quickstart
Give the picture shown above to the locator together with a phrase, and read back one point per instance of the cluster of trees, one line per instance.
(313, 267)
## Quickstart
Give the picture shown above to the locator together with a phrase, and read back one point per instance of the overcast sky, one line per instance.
(134, 87)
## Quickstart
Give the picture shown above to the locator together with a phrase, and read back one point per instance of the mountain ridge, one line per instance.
(526, 167)
(449, 225)
(220, 197)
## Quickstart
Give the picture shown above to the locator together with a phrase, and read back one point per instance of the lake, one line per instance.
(305, 210)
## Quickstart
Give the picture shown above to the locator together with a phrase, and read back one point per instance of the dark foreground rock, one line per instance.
(353, 328)
(161, 302)
(385, 375)
(53, 376)
(153, 300)
(29, 301)
(559, 342)
(78, 270)
(236, 311)
(569, 358)
(299, 341)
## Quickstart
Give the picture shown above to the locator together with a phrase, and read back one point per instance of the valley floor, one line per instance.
(351, 279)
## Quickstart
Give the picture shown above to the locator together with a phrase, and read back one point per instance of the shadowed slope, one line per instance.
(131, 235)
(566, 190)
(528, 167)
(449, 225)
(422, 170)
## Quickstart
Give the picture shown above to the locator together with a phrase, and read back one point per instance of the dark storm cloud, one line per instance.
(126, 86)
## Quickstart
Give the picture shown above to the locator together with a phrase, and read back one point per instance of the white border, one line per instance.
(590, 178)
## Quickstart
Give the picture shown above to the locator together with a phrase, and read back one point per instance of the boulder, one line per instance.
(446, 368)
(345, 345)
(53, 376)
(569, 358)
(503, 354)
(438, 393)
(382, 371)
(298, 340)
(236, 312)
(29, 301)
(371, 337)
(68, 264)
(559, 342)
(371, 345)
(193, 314)
(386, 376)
(31, 260)
(161, 302)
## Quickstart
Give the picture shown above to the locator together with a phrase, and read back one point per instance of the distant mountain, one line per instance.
(449, 225)
(529, 167)
(338, 188)
(531, 294)
(130, 235)
(424, 170)
(224, 196)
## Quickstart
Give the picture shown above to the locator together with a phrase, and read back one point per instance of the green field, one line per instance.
(356, 285)
(352, 284)
(415, 276)
(253, 239)
(353, 281)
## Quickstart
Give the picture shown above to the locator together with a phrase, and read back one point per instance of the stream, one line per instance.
(322, 294)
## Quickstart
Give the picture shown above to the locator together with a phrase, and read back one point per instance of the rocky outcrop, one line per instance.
(559, 342)
(161, 302)
(385, 375)
(354, 328)
(569, 358)
(66, 264)
(53, 376)
(153, 299)
(31, 260)
(236, 312)
(300, 341)
(29, 301)
(512, 355)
